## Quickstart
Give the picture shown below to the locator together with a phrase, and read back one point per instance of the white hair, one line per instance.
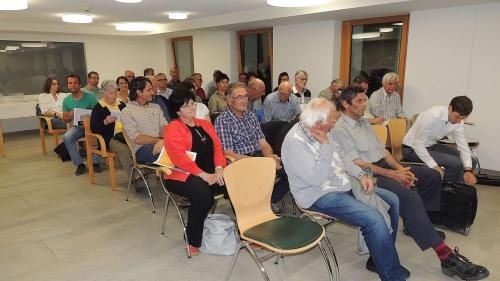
(300, 73)
(108, 85)
(390, 77)
(317, 110)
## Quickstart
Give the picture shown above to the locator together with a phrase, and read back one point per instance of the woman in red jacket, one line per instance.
(193, 147)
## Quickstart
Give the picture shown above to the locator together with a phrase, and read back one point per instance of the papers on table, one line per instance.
(79, 114)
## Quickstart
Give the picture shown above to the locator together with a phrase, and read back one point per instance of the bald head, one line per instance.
(284, 91)
(256, 89)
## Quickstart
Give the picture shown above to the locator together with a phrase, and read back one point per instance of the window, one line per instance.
(373, 47)
(182, 50)
(255, 49)
(24, 66)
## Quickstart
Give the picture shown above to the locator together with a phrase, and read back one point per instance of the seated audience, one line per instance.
(211, 86)
(361, 146)
(333, 92)
(362, 82)
(282, 77)
(386, 102)
(122, 83)
(281, 105)
(149, 71)
(102, 122)
(202, 177)
(174, 78)
(77, 99)
(157, 99)
(217, 102)
(299, 89)
(162, 90)
(256, 90)
(319, 183)
(50, 102)
(92, 82)
(420, 143)
(129, 74)
(241, 136)
(198, 90)
(143, 121)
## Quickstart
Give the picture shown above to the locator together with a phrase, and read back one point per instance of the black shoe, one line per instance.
(370, 266)
(97, 168)
(80, 170)
(458, 265)
(440, 233)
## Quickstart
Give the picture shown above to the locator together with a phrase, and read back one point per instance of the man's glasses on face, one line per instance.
(240, 98)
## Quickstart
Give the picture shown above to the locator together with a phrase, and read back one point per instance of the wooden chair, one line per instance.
(91, 141)
(381, 132)
(2, 146)
(397, 132)
(45, 126)
(250, 182)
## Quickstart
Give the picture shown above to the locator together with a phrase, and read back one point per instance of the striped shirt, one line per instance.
(239, 134)
(274, 109)
(385, 105)
(143, 120)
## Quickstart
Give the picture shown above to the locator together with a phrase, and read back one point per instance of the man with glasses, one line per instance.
(385, 102)
(242, 137)
(332, 93)
(299, 89)
(198, 90)
(174, 74)
(92, 82)
(161, 80)
(281, 105)
(129, 74)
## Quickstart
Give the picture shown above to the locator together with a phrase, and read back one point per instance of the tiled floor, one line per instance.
(56, 226)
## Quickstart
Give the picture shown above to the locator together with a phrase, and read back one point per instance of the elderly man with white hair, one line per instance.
(299, 89)
(386, 102)
(319, 182)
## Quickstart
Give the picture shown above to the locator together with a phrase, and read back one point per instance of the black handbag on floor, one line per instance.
(458, 207)
(62, 152)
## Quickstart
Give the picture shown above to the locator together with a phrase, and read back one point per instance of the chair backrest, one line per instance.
(130, 145)
(381, 132)
(250, 182)
(271, 131)
(397, 132)
(88, 137)
(411, 121)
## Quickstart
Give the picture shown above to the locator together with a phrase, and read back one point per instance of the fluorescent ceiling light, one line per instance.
(3, 51)
(397, 23)
(11, 5)
(134, 26)
(177, 15)
(34, 45)
(129, 1)
(296, 3)
(77, 18)
(366, 35)
(386, 29)
(11, 48)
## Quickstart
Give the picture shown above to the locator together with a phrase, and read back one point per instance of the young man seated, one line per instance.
(420, 143)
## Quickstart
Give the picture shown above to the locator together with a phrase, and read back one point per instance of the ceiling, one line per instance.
(44, 15)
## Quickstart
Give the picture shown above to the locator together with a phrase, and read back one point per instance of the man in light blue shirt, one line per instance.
(281, 105)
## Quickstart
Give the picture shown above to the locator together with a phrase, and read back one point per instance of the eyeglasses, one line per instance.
(188, 104)
(240, 98)
(165, 79)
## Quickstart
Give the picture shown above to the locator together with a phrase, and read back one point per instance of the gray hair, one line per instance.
(317, 110)
(300, 73)
(235, 85)
(390, 77)
(337, 81)
(108, 85)
(254, 83)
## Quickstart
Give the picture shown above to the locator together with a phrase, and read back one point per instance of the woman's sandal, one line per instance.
(194, 250)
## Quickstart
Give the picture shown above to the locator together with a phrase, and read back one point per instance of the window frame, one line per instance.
(269, 46)
(172, 44)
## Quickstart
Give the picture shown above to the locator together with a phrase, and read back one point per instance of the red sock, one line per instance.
(442, 250)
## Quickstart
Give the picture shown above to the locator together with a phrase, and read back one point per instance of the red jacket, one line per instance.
(178, 139)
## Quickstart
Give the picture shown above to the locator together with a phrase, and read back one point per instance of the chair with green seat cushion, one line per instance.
(249, 183)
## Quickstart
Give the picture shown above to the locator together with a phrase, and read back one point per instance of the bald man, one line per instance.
(281, 105)
(174, 74)
(256, 90)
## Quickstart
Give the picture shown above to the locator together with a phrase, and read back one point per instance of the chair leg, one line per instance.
(42, 141)
(334, 256)
(56, 139)
(233, 260)
(167, 200)
(148, 189)
(327, 260)
(132, 170)
(2, 146)
(256, 259)
(112, 174)
(90, 162)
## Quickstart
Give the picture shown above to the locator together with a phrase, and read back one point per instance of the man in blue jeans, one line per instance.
(77, 99)
(319, 182)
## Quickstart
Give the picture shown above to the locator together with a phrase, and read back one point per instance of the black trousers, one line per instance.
(201, 195)
(413, 205)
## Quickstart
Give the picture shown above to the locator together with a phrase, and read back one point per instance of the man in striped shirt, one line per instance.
(281, 105)
(385, 102)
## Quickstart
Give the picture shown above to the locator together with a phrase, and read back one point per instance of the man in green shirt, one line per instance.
(92, 82)
(77, 99)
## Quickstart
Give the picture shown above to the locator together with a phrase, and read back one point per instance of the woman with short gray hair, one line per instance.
(299, 89)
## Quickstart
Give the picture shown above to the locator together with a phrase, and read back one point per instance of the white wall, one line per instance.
(312, 47)
(109, 55)
(454, 51)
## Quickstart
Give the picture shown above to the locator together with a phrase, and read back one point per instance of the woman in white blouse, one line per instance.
(50, 102)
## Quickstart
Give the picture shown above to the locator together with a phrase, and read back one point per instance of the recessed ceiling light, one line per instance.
(129, 1)
(386, 29)
(296, 3)
(77, 18)
(177, 15)
(397, 23)
(366, 35)
(34, 45)
(11, 5)
(11, 48)
(135, 26)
